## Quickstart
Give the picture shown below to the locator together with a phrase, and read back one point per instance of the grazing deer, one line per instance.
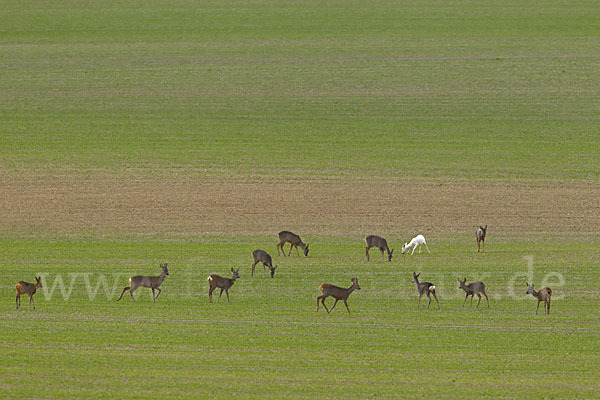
(473, 288)
(29, 289)
(480, 234)
(426, 288)
(152, 282)
(541, 295)
(415, 242)
(294, 240)
(380, 243)
(216, 281)
(337, 293)
(263, 257)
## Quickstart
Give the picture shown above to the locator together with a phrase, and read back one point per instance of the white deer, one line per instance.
(415, 242)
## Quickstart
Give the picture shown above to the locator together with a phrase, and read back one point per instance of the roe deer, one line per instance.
(415, 242)
(216, 281)
(152, 282)
(480, 234)
(426, 288)
(263, 257)
(337, 293)
(294, 240)
(29, 289)
(541, 295)
(380, 243)
(473, 288)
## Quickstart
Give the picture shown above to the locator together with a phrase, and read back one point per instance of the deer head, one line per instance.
(404, 247)
(272, 269)
(306, 250)
(38, 282)
(462, 284)
(164, 268)
(416, 277)
(355, 283)
(236, 273)
(529, 288)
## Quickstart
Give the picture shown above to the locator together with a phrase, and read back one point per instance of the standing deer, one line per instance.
(426, 288)
(480, 234)
(263, 257)
(29, 289)
(541, 295)
(294, 240)
(472, 289)
(380, 243)
(152, 282)
(337, 293)
(415, 242)
(216, 281)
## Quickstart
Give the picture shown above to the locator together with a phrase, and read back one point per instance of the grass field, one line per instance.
(135, 133)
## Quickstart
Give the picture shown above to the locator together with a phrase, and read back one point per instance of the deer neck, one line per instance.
(351, 288)
(536, 294)
(161, 277)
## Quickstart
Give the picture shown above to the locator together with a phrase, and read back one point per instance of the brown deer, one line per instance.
(380, 243)
(265, 258)
(337, 293)
(216, 281)
(29, 289)
(425, 288)
(473, 288)
(294, 240)
(541, 295)
(152, 282)
(480, 234)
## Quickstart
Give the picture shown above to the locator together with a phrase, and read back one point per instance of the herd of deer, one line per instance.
(327, 290)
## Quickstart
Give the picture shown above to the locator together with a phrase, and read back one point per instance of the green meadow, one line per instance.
(178, 95)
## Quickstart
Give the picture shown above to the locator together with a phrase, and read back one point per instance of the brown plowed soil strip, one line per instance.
(105, 204)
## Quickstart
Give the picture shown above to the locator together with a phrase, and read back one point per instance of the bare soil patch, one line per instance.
(107, 204)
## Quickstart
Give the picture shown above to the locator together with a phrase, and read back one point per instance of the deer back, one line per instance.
(376, 241)
(262, 256)
(476, 287)
(287, 236)
(25, 287)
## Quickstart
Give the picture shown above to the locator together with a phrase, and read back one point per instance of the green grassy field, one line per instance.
(180, 94)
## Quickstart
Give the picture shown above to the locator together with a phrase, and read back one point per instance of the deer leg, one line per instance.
(159, 292)
(465, 299)
(255, 264)
(323, 302)
(478, 295)
(220, 294)
(436, 299)
(427, 248)
(414, 248)
(131, 292)
(153, 297)
(298, 254)
(419, 304)
(291, 247)
(367, 252)
(478, 246)
(471, 305)
(346, 304)
(538, 307)
(318, 298)
(483, 244)
(227, 293)
(278, 246)
(17, 300)
(331, 309)
(382, 256)
(123, 292)
(210, 290)
(419, 249)
(548, 306)
(428, 296)
(30, 301)
(488, 300)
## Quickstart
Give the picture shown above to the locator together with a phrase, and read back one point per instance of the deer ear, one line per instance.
(232, 269)
(485, 227)
(527, 283)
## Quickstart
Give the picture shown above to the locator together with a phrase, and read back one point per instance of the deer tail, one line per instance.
(210, 278)
(432, 288)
